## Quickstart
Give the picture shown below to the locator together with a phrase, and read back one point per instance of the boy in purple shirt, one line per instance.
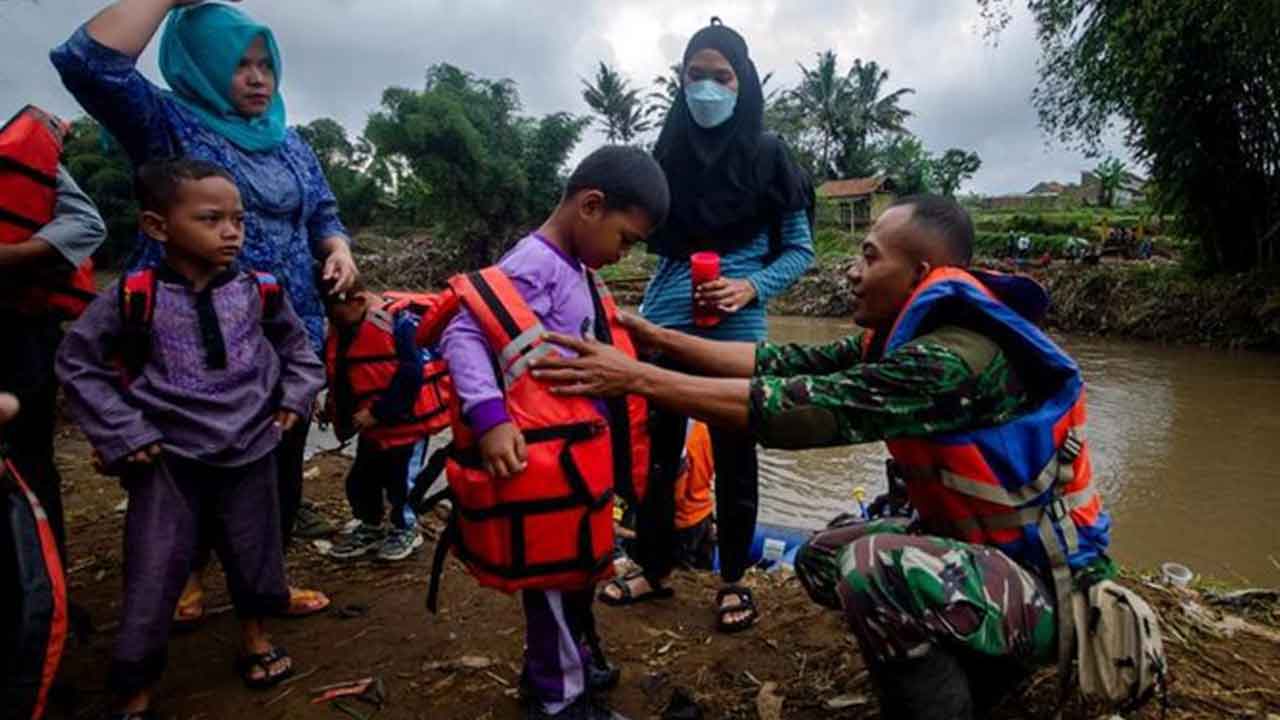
(613, 200)
(227, 369)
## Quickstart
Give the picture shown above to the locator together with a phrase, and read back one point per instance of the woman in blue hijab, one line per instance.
(224, 105)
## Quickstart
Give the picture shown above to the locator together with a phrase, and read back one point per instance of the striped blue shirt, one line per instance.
(668, 300)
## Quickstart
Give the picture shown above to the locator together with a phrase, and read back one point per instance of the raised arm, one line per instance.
(127, 26)
(97, 65)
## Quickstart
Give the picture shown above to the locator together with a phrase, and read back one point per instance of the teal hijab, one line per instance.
(199, 53)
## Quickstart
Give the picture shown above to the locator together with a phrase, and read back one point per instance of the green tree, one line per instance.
(102, 169)
(1194, 85)
(618, 106)
(350, 168)
(873, 115)
(954, 167)
(1111, 174)
(480, 171)
(848, 112)
(905, 161)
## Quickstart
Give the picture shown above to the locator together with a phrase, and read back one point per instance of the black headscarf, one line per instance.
(731, 181)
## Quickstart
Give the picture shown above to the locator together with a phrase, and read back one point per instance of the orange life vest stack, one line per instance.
(367, 364)
(30, 149)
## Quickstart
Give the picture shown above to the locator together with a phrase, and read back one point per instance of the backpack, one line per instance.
(138, 309)
(1119, 649)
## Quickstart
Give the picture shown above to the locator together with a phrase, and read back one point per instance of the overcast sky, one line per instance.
(340, 54)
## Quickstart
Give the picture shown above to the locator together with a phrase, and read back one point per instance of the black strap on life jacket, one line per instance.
(619, 414)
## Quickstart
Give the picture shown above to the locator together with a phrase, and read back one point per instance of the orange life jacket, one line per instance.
(694, 501)
(551, 526)
(365, 366)
(41, 594)
(30, 148)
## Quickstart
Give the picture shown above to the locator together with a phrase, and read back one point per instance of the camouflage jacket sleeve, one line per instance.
(799, 359)
(947, 381)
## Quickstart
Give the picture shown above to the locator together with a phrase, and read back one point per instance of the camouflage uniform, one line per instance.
(903, 593)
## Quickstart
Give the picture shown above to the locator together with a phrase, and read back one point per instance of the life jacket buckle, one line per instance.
(1057, 509)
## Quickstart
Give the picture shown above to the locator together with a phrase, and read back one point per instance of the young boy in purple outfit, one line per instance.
(227, 369)
(613, 200)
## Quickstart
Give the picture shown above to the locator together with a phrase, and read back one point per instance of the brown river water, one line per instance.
(1185, 443)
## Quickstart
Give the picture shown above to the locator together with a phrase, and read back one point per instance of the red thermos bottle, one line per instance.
(705, 267)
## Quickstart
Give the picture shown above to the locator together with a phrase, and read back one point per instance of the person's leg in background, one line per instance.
(737, 505)
(402, 465)
(289, 465)
(364, 495)
(655, 518)
(26, 370)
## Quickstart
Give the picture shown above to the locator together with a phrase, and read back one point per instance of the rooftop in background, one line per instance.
(855, 187)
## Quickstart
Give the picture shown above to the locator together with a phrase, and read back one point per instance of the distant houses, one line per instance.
(1052, 195)
(858, 201)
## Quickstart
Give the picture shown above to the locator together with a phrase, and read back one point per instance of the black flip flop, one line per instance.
(746, 603)
(245, 664)
(626, 597)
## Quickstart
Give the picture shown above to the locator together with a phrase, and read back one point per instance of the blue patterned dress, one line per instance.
(289, 208)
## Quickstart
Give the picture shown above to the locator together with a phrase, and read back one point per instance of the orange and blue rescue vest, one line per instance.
(1025, 486)
(40, 593)
(551, 526)
(364, 366)
(30, 149)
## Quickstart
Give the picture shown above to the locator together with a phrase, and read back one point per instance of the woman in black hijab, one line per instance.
(736, 191)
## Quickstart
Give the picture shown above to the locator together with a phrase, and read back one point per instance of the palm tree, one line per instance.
(666, 89)
(848, 110)
(872, 115)
(824, 97)
(617, 105)
(1111, 174)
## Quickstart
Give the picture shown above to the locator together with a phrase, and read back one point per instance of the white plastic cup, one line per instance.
(1177, 574)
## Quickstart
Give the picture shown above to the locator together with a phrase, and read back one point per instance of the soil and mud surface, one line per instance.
(799, 662)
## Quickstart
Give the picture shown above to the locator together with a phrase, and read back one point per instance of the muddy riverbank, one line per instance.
(463, 663)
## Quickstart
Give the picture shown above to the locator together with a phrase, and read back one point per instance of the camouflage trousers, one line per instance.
(903, 593)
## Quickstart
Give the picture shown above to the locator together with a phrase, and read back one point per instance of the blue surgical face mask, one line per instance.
(710, 103)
